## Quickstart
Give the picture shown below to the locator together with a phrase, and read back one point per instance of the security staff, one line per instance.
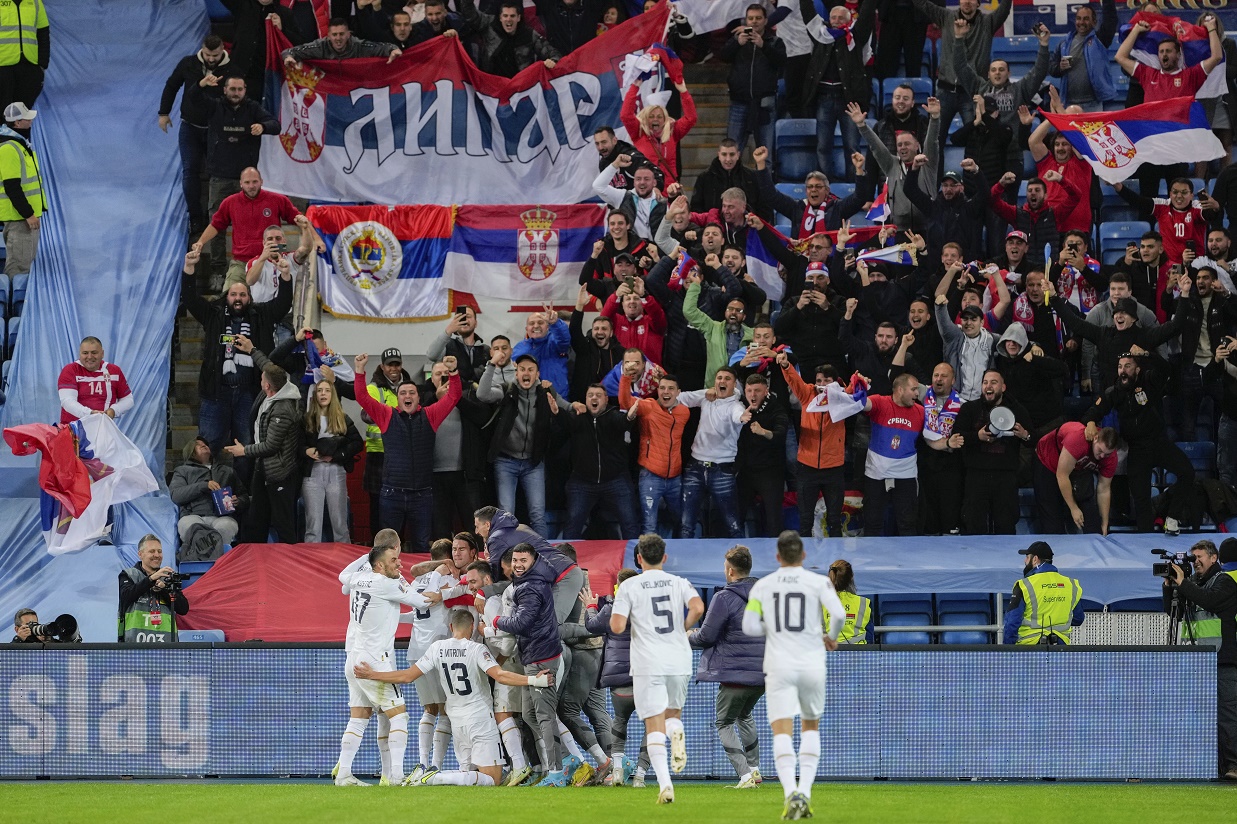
(21, 202)
(858, 608)
(1213, 590)
(25, 47)
(147, 599)
(1046, 604)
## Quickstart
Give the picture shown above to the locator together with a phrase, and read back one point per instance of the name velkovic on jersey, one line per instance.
(446, 120)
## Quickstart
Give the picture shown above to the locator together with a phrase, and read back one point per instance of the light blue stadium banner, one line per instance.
(270, 711)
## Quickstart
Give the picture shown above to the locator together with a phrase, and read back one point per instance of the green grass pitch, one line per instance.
(858, 803)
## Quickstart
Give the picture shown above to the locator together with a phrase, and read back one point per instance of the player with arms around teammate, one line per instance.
(463, 665)
(373, 606)
(661, 657)
(787, 608)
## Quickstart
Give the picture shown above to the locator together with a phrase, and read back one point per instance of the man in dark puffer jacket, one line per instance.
(736, 661)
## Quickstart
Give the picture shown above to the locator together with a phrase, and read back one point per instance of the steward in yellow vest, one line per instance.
(1046, 604)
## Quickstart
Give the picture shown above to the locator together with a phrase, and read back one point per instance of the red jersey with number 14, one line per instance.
(95, 390)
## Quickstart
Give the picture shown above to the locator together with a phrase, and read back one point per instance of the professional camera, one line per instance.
(176, 580)
(1164, 568)
(63, 629)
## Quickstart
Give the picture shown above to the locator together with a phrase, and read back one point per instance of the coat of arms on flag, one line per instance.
(367, 255)
(304, 116)
(537, 244)
(1112, 146)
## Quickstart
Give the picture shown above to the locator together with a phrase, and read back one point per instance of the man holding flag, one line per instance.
(1173, 78)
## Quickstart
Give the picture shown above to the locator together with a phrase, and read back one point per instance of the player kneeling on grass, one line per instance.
(463, 665)
(787, 608)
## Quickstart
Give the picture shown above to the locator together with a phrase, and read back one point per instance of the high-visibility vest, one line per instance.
(858, 614)
(1206, 628)
(1049, 600)
(151, 618)
(373, 435)
(19, 25)
(19, 163)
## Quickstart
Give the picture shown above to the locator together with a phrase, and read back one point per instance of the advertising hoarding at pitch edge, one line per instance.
(278, 710)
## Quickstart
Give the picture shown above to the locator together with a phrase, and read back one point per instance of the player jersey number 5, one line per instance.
(664, 614)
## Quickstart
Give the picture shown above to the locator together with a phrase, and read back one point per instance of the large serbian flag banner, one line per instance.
(1117, 143)
(383, 263)
(530, 254)
(431, 127)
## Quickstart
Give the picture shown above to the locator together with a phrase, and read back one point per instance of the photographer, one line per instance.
(149, 593)
(1213, 591)
(28, 630)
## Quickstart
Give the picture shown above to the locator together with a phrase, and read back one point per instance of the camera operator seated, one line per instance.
(193, 487)
(29, 631)
(149, 594)
(1212, 589)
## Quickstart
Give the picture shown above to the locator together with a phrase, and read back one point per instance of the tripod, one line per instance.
(1179, 615)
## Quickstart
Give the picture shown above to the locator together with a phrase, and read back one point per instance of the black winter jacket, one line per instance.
(600, 444)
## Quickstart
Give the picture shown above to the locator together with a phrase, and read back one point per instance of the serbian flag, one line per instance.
(527, 254)
(383, 263)
(842, 403)
(901, 254)
(86, 467)
(762, 265)
(1195, 47)
(315, 360)
(1117, 143)
(879, 212)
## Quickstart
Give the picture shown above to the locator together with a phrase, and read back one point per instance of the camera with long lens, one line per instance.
(63, 629)
(1164, 568)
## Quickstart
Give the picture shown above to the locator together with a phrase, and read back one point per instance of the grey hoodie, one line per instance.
(955, 340)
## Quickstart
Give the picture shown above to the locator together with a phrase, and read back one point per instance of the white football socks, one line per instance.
(657, 755)
(442, 738)
(784, 758)
(461, 778)
(809, 757)
(397, 744)
(384, 748)
(599, 755)
(510, 733)
(354, 733)
(569, 741)
(425, 739)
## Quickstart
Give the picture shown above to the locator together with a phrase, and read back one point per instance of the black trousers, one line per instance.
(1052, 516)
(769, 484)
(902, 35)
(900, 493)
(272, 506)
(455, 500)
(1144, 457)
(1226, 716)
(940, 502)
(23, 81)
(990, 502)
(813, 483)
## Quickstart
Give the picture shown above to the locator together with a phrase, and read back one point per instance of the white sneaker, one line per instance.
(756, 776)
(386, 782)
(747, 782)
(637, 781)
(678, 751)
(666, 796)
(1171, 527)
(349, 781)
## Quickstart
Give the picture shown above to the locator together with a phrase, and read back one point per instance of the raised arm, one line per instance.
(1123, 56)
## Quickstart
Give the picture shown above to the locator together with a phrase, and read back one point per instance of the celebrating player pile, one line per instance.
(787, 608)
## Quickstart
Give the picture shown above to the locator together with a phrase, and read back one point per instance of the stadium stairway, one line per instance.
(107, 266)
(707, 82)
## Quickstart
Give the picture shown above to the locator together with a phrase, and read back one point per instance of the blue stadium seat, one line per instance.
(4, 374)
(1021, 48)
(841, 188)
(1114, 236)
(954, 155)
(794, 140)
(795, 190)
(910, 604)
(922, 87)
(200, 636)
(965, 636)
(1202, 455)
(5, 287)
(784, 227)
(1200, 185)
(11, 337)
(964, 602)
(910, 619)
(1137, 605)
(19, 288)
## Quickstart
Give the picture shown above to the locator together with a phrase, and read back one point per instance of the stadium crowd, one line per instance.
(999, 349)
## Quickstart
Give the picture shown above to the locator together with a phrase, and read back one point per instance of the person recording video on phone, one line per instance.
(150, 597)
(1212, 592)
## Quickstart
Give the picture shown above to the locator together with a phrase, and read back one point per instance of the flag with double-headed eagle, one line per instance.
(383, 263)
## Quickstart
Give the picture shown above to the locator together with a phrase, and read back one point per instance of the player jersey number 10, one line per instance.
(789, 612)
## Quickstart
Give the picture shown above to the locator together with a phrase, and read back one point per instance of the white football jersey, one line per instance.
(374, 610)
(791, 604)
(461, 665)
(654, 603)
(429, 623)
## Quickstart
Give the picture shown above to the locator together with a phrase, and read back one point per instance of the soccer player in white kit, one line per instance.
(464, 666)
(374, 608)
(661, 657)
(787, 608)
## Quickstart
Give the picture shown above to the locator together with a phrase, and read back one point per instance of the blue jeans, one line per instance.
(749, 118)
(192, 142)
(615, 498)
(719, 481)
(226, 418)
(414, 507)
(1226, 450)
(655, 488)
(952, 103)
(512, 472)
(831, 110)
